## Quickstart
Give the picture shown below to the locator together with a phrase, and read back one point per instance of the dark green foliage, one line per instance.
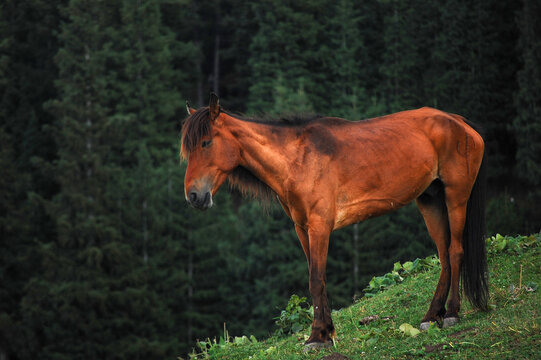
(408, 35)
(527, 124)
(298, 30)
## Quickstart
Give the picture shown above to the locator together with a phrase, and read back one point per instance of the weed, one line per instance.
(208, 347)
(517, 244)
(296, 317)
(400, 271)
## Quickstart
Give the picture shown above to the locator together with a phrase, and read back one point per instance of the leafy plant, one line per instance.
(296, 317)
(409, 330)
(208, 347)
(512, 244)
(400, 271)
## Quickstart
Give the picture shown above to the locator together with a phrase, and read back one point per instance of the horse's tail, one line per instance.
(474, 264)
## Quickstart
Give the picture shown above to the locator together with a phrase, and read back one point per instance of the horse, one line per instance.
(328, 173)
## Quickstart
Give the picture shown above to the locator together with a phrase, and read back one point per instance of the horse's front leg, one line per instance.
(323, 330)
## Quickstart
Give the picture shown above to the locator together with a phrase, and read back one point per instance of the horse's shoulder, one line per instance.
(320, 134)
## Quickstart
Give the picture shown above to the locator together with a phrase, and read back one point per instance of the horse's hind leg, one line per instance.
(433, 208)
(456, 199)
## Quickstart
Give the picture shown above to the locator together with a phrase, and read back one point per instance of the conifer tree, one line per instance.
(527, 124)
(348, 61)
(26, 80)
(471, 72)
(72, 288)
(17, 247)
(93, 291)
(287, 44)
(290, 100)
(408, 34)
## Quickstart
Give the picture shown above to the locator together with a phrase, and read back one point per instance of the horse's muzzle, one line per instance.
(200, 200)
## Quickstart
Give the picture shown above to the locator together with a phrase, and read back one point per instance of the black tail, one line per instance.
(474, 272)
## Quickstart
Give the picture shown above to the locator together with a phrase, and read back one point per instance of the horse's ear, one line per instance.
(214, 106)
(189, 109)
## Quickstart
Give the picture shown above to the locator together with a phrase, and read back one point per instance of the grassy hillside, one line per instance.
(510, 330)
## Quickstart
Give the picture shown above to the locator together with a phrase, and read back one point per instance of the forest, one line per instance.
(100, 255)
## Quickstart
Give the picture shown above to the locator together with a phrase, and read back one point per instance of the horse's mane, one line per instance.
(195, 127)
(249, 185)
(198, 125)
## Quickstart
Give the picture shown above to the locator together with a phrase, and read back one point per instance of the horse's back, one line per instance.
(381, 164)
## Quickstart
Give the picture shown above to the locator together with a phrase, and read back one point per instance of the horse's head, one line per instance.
(211, 151)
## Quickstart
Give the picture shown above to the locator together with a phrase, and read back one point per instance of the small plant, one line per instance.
(516, 244)
(400, 271)
(208, 347)
(409, 330)
(296, 317)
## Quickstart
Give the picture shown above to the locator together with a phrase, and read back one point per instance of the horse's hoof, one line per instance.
(317, 345)
(450, 321)
(425, 325)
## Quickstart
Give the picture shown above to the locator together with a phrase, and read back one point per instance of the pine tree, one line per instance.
(238, 26)
(94, 286)
(290, 100)
(527, 124)
(347, 60)
(16, 242)
(73, 281)
(472, 73)
(408, 33)
(528, 99)
(287, 44)
(143, 92)
(26, 81)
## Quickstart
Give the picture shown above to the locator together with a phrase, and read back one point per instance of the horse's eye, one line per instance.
(205, 143)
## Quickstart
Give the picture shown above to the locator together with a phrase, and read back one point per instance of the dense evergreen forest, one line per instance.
(101, 257)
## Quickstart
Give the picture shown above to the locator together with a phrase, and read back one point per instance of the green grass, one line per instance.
(510, 330)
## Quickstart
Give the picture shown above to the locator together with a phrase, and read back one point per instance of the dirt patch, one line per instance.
(367, 320)
(433, 348)
(473, 330)
(335, 356)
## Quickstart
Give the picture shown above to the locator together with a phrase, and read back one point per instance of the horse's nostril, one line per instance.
(193, 197)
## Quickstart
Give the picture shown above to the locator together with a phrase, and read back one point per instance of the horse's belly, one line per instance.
(353, 207)
(365, 210)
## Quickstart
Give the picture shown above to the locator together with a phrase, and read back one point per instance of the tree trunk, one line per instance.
(190, 295)
(216, 70)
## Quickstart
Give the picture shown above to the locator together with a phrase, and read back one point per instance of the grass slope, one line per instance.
(510, 330)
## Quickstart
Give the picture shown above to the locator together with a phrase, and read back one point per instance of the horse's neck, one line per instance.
(263, 151)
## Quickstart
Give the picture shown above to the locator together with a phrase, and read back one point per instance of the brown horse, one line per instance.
(328, 173)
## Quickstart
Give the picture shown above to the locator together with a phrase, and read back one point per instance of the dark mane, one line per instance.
(250, 186)
(198, 125)
(288, 120)
(195, 127)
